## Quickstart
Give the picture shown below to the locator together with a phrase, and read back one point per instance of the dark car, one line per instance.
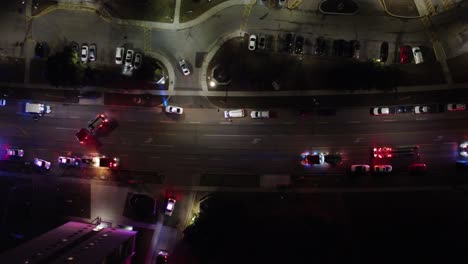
(405, 109)
(261, 42)
(319, 46)
(98, 123)
(40, 50)
(288, 43)
(338, 45)
(299, 44)
(384, 51)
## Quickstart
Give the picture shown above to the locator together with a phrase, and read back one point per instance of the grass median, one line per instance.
(191, 9)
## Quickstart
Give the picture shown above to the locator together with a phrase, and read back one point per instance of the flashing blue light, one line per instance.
(165, 102)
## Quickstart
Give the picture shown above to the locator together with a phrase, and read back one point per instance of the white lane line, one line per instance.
(74, 117)
(194, 122)
(228, 147)
(289, 123)
(225, 123)
(420, 119)
(190, 158)
(66, 128)
(321, 123)
(158, 146)
(154, 157)
(167, 121)
(354, 122)
(258, 123)
(389, 120)
(215, 159)
(131, 120)
(231, 135)
(41, 149)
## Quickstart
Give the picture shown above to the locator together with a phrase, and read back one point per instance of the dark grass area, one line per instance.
(458, 68)
(388, 227)
(147, 10)
(341, 101)
(256, 71)
(43, 5)
(37, 71)
(191, 9)
(11, 69)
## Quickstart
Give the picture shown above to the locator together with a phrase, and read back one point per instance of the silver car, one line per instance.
(84, 53)
(129, 58)
(184, 67)
(92, 52)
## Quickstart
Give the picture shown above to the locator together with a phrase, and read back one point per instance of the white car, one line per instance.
(421, 109)
(456, 107)
(361, 168)
(184, 67)
(382, 168)
(417, 55)
(170, 206)
(40, 163)
(259, 114)
(380, 111)
(252, 42)
(119, 53)
(68, 161)
(138, 61)
(13, 152)
(464, 149)
(92, 52)
(129, 58)
(84, 53)
(174, 110)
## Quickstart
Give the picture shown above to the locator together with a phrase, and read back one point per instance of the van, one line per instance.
(119, 53)
(234, 113)
(417, 54)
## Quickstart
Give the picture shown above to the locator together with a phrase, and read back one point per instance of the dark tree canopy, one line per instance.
(64, 69)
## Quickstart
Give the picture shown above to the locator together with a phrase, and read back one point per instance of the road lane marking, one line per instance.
(354, 122)
(225, 123)
(167, 121)
(41, 149)
(159, 146)
(420, 119)
(154, 157)
(389, 120)
(65, 128)
(190, 158)
(289, 123)
(258, 123)
(131, 120)
(321, 123)
(215, 158)
(229, 147)
(194, 122)
(74, 117)
(231, 135)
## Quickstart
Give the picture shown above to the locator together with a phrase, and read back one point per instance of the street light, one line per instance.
(212, 84)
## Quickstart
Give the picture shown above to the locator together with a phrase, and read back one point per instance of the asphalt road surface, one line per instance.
(180, 149)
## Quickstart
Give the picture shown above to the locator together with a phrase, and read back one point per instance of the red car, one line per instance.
(382, 152)
(405, 54)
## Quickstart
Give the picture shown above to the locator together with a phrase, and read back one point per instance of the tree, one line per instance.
(64, 68)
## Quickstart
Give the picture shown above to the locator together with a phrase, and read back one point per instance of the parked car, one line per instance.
(170, 206)
(68, 161)
(456, 107)
(421, 109)
(405, 54)
(252, 42)
(14, 153)
(92, 52)
(129, 58)
(464, 149)
(42, 164)
(360, 169)
(84, 53)
(234, 113)
(184, 68)
(119, 54)
(384, 169)
(404, 109)
(417, 168)
(262, 42)
(97, 123)
(384, 51)
(417, 55)
(260, 114)
(138, 61)
(381, 111)
(319, 46)
(299, 43)
(308, 158)
(174, 110)
(288, 43)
